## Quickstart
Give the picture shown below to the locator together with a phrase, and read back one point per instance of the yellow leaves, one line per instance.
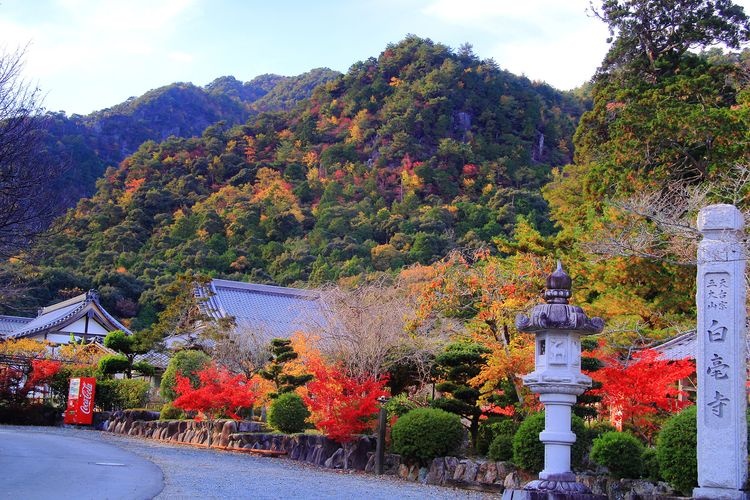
(310, 159)
(275, 194)
(395, 81)
(25, 347)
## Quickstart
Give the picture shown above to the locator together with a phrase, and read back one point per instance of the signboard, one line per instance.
(80, 408)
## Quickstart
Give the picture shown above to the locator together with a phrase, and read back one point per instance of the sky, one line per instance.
(87, 55)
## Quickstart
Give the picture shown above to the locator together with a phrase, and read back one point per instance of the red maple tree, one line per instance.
(342, 406)
(16, 382)
(218, 393)
(638, 390)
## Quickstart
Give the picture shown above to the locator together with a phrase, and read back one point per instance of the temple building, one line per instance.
(79, 318)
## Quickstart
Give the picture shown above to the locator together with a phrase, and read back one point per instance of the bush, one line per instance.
(490, 429)
(650, 463)
(528, 451)
(170, 412)
(426, 433)
(501, 448)
(186, 363)
(29, 414)
(619, 452)
(288, 413)
(400, 405)
(676, 451)
(121, 394)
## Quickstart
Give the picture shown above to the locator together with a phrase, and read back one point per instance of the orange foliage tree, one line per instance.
(342, 406)
(485, 293)
(640, 390)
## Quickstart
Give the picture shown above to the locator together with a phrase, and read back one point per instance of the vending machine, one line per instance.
(80, 408)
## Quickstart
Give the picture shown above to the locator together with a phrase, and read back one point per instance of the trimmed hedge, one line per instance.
(121, 394)
(619, 452)
(288, 413)
(427, 433)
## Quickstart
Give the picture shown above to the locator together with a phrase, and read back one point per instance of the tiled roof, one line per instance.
(269, 311)
(63, 313)
(9, 324)
(679, 347)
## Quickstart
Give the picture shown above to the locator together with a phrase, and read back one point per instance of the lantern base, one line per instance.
(552, 489)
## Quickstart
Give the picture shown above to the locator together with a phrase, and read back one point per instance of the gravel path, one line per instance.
(195, 473)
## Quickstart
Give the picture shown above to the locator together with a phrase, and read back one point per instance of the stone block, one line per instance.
(512, 481)
(458, 472)
(490, 473)
(470, 472)
(436, 474)
(403, 471)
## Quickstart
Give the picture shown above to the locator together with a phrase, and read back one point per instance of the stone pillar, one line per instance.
(558, 380)
(721, 361)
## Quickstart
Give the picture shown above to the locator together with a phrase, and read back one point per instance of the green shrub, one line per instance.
(619, 452)
(501, 448)
(650, 465)
(121, 394)
(170, 412)
(528, 451)
(490, 429)
(186, 363)
(676, 451)
(288, 413)
(427, 433)
(400, 405)
(597, 428)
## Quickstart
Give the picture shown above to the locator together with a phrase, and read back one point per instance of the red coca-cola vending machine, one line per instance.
(80, 408)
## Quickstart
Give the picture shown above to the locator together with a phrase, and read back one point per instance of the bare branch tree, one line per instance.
(28, 201)
(660, 225)
(365, 328)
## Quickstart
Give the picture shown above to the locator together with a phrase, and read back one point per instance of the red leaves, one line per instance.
(16, 382)
(341, 406)
(640, 388)
(219, 393)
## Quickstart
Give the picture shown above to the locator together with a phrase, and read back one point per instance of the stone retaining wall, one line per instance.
(316, 449)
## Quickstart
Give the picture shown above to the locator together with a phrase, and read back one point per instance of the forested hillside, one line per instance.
(405, 157)
(88, 144)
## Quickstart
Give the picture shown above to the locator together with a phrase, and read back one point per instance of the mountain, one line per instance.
(405, 157)
(88, 144)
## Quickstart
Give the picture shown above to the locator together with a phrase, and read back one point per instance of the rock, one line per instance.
(490, 474)
(403, 471)
(481, 472)
(470, 472)
(422, 474)
(413, 473)
(512, 481)
(458, 473)
(336, 461)
(436, 475)
(450, 467)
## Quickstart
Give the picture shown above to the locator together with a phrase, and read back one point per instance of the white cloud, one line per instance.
(551, 40)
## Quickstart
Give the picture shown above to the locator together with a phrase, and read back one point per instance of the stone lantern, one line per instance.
(558, 380)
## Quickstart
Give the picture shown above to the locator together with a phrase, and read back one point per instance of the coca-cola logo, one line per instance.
(87, 391)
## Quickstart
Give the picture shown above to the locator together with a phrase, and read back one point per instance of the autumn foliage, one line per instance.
(218, 393)
(638, 391)
(342, 406)
(17, 382)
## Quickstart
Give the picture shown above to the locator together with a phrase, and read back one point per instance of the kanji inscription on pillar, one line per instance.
(717, 310)
(720, 354)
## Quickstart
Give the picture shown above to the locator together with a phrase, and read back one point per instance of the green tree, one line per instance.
(455, 366)
(281, 353)
(128, 347)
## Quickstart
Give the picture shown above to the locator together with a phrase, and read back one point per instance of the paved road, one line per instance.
(38, 464)
(196, 473)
